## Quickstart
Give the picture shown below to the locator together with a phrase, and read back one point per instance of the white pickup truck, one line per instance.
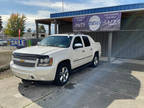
(54, 58)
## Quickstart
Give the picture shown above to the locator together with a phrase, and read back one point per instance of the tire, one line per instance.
(95, 61)
(62, 74)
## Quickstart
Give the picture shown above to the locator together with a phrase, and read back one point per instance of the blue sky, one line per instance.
(34, 9)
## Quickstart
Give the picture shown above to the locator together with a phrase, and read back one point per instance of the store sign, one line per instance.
(98, 22)
(17, 42)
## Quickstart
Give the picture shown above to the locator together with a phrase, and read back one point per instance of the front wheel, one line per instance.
(95, 61)
(62, 74)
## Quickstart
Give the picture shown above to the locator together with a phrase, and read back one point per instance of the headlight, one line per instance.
(45, 61)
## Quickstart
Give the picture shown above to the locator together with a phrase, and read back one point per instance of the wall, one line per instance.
(101, 37)
(128, 44)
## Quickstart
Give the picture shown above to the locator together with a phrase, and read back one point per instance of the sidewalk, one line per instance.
(119, 60)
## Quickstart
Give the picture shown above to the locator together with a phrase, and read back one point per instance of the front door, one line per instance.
(78, 53)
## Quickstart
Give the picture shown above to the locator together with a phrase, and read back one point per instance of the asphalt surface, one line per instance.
(116, 85)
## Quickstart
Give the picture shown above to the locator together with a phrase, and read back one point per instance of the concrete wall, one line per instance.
(132, 21)
(101, 37)
(128, 44)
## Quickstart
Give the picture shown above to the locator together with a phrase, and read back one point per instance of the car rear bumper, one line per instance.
(34, 73)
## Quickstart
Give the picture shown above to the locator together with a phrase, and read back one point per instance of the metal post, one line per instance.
(55, 27)
(37, 29)
(49, 29)
(58, 28)
(110, 46)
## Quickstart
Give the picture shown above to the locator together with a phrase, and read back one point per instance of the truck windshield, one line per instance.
(57, 41)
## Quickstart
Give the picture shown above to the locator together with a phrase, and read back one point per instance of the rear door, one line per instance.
(88, 49)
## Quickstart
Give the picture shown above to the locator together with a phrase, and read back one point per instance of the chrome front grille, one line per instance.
(26, 60)
(25, 64)
(25, 56)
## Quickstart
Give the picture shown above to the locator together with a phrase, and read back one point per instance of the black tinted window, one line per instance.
(77, 40)
(86, 41)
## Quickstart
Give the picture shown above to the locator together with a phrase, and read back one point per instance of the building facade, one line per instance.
(128, 42)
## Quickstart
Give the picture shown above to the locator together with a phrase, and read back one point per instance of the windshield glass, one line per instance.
(57, 41)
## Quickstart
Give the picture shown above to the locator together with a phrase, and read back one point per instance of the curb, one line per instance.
(4, 68)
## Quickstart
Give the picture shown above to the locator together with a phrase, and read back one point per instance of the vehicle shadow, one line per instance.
(88, 87)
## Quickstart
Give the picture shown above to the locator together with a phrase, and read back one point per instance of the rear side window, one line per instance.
(86, 41)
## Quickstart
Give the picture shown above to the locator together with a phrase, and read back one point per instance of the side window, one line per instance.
(86, 41)
(77, 40)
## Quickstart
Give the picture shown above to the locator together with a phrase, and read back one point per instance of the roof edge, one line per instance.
(99, 10)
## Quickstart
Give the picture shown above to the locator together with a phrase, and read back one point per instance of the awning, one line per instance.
(51, 20)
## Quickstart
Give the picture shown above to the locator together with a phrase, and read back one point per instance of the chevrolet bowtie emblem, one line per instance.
(21, 60)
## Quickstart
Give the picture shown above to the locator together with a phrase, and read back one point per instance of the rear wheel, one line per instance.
(95, 61)
(62, 74)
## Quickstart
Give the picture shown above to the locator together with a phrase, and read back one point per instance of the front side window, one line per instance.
(86, 41)
(77, 40)
(57, 41)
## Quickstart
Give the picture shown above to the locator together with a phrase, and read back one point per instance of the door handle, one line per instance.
(91, 49)
(83, 51)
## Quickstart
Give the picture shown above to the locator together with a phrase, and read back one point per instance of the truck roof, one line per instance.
(73, 35)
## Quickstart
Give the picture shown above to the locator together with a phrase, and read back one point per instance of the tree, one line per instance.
(29, 30)
(15, 22)
(41, 29)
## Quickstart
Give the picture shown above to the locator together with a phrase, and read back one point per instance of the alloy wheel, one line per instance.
(64, 74)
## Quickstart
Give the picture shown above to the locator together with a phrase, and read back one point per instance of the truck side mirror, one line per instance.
(78, 45)
(38, 43)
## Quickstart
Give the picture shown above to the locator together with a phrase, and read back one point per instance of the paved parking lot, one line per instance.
(116, 85)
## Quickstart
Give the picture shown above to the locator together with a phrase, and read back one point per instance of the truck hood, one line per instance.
(38, 50)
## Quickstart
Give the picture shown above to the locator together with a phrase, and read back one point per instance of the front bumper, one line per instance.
(34, 73)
